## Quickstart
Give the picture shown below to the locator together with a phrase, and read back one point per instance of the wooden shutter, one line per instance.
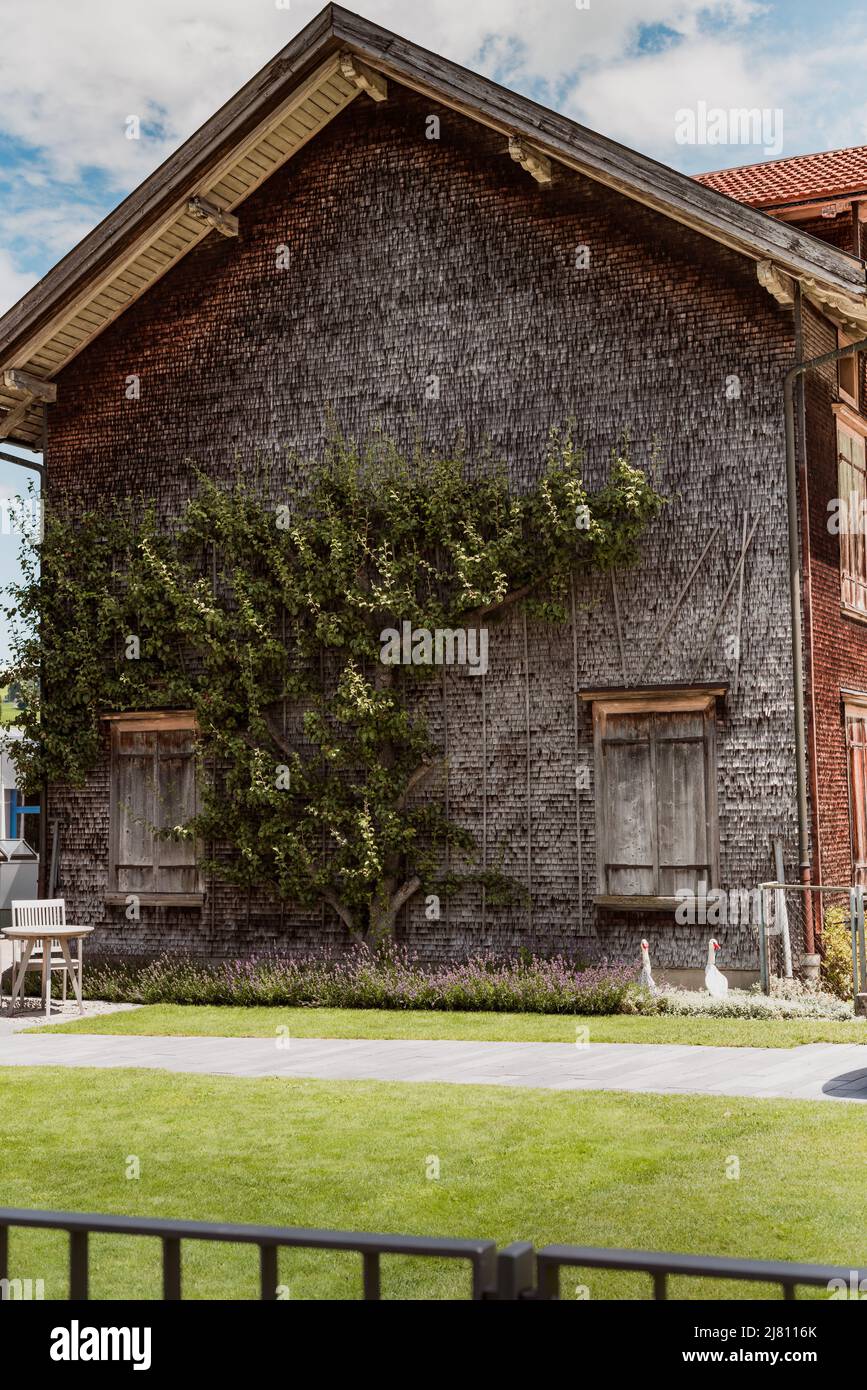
(852, 484)
(656, 799)
(175, 859)
(134, 789)
(629, 861)
(153, 789)
(856, 743)
(682, 802)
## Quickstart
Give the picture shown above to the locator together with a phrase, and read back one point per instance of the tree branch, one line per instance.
(404, 894)
(421, 774)
(342, 911)
(477, 614)
(280, 741)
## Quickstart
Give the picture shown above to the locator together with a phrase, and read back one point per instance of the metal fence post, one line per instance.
(763, 945)
(516, 1271)
(853, 933)
(862, 954)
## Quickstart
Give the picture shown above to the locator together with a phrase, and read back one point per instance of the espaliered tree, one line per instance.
(275, 622)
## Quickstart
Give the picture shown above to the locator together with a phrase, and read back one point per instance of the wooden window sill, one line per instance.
(637, 902)
(848, 412)
(849, 611)
(156, 899)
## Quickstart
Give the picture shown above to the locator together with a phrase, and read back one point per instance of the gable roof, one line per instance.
(804, 178)
(314, 77)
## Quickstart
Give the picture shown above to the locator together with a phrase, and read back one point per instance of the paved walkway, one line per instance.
(820, 1071)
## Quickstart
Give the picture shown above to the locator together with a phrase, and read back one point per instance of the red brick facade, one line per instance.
(837, 643)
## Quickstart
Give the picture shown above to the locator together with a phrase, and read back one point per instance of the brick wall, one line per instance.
(411, 259)
(839, 642)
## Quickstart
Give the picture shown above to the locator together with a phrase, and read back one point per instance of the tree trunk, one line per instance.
(386, 904)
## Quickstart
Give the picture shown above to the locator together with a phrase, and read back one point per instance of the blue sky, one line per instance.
(73, 74)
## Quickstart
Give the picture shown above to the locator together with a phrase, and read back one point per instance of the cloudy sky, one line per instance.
(72, 73)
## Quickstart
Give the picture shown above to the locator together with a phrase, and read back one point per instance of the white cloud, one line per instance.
(72, 74)
(644, 93)
(13, 283)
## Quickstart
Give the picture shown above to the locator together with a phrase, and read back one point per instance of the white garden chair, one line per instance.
(32, 915)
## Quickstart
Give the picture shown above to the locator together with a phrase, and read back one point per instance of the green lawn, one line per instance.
(602, 1168)
(204, 1021)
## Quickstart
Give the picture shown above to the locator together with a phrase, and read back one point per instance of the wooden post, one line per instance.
(484, 796)
(529, 787)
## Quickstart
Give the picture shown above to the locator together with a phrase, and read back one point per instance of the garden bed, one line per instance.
(393, 979)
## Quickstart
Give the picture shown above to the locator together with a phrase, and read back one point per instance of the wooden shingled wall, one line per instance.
(410, 259)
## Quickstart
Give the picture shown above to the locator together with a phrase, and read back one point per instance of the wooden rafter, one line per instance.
(31, 385)
(224, 222)
(364, 77)
(33, 389)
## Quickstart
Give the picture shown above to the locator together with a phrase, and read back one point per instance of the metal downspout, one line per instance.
(792, 374)
(43, 794)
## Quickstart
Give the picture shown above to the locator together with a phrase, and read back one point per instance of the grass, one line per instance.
(201, 1020)
(598, 1168)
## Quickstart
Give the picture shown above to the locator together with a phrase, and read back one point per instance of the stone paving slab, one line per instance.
(819, 1071)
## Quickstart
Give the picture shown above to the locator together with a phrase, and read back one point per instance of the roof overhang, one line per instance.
(308, 83)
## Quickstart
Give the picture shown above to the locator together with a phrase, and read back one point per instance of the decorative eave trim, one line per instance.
(536, 164)
(776, 282)
(842, 309)
(849, 416)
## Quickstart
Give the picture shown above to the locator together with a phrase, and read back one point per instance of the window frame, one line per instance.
(154, 721)
(847, 422)
(854, 708)
(852, 398)
(693, 699)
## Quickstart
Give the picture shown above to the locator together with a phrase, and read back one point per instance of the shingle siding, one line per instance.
(410, 259)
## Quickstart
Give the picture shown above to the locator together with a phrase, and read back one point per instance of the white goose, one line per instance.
(715, 982)
(645, 979)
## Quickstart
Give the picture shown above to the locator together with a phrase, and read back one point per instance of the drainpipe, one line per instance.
(42, 889)
(43, 793)
(792, 374)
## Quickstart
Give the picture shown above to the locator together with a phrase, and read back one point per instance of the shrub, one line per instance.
(388, 979)
(836, 969)
(740, 1003)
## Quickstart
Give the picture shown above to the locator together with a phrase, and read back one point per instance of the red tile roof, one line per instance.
(801, 179)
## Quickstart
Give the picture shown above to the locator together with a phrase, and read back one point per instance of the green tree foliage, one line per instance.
(317, 771)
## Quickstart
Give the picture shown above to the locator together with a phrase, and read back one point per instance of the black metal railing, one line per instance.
(660, 1267)
(481, 1255)
(517, 1271)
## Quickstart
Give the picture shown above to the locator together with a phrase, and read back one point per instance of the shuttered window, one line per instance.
(856, 752)
(153, 796)
(655, 799)
(852, 482)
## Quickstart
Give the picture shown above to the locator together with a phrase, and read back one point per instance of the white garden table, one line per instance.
(31, 936)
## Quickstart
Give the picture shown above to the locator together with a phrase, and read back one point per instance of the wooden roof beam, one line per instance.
(364, 77)
(226, 223)
(536, 164)
(33, 388)
(15, 417)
